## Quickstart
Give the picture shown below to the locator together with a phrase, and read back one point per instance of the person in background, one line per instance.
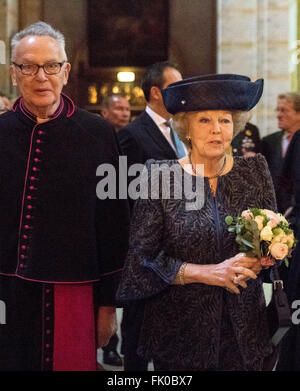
(2, 106)
(275, 145)
(247, 142)
(289, 118)
(5, 103)
(62, 251)
(148, 136)
(116, 110)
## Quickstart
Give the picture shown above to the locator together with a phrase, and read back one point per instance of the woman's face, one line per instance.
(211, 132)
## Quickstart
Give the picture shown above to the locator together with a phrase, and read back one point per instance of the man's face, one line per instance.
(170, 76)
(40, 91)
(118, 112)
(287, 117)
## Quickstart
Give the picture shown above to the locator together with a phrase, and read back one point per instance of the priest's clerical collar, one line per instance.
(40, 120)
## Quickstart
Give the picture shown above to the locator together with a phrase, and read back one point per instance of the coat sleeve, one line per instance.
(148, 268)
(295, 168)
(112, 229)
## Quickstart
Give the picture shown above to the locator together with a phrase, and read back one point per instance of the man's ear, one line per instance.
(104, 113)
(66, 73)
(155, 93)
(13, 76)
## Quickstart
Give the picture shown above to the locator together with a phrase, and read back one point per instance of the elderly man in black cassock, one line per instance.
(61, 247)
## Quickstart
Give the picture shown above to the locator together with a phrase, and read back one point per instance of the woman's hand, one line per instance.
(253, 264)
(227, 274)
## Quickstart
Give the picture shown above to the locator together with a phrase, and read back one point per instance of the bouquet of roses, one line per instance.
(263, 234)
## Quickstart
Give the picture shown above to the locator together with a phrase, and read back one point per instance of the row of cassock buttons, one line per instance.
(27, 225)
(48, 322)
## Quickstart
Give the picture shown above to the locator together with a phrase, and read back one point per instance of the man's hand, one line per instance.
(106, 325)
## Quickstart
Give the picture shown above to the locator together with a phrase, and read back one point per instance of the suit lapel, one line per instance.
(158, 138)
(278, 146)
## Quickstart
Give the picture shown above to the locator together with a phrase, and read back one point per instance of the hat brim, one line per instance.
(213, 92)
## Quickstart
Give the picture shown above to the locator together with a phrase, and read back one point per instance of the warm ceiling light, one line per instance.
(93, 95)
(126, 76)
(115, 90)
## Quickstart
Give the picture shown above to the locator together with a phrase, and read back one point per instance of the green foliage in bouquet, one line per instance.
(247, 235)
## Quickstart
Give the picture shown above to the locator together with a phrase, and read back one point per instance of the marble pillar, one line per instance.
(9, 14)
(253, 39)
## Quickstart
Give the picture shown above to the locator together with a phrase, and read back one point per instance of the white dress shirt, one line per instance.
(160, 122)
(286, 138)
(163, 127)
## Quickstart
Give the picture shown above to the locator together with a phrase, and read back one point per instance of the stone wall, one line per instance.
(253, 39)
(9, 18)
(192, 35)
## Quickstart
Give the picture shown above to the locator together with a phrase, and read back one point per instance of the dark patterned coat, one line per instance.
(198, 326)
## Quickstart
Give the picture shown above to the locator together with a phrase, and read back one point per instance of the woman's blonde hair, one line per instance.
(179, 124)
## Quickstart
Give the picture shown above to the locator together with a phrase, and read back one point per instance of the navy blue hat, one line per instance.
(212, 92)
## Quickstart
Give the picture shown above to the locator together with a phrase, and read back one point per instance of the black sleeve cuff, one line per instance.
(105, 290)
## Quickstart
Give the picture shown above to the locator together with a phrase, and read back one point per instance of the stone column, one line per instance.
(8, 26)
(30, 11)
(253, 39)
(192, 35)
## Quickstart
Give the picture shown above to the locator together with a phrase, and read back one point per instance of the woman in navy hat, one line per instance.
(204, 307)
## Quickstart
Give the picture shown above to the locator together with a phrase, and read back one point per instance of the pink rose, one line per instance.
(279, 250)
(247, 215)
(273, 217)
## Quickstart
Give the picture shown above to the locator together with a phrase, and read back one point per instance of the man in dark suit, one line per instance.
(274, 146)
(148, 137)
(116, 110)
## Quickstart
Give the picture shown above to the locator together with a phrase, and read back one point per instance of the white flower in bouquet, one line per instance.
(259, 221)
(274, 218)
(266, 234)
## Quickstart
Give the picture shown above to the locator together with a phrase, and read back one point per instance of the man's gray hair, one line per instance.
(293, 97)
(40, 29)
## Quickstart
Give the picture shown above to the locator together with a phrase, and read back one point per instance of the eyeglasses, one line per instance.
(50, 68)
(283, 110)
